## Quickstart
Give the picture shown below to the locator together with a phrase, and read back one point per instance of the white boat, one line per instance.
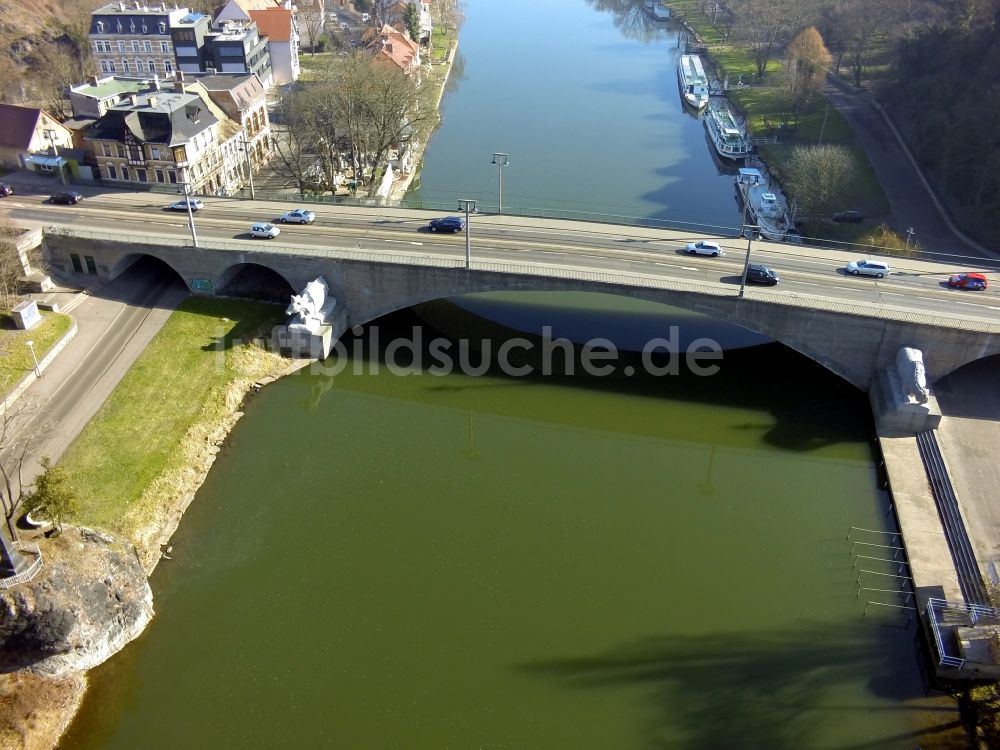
(694, 83)
(765, 208)
(727, 135)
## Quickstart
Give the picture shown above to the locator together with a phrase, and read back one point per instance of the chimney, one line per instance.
(156, 83)
(133, 100)
(92, 80)
(152, 102)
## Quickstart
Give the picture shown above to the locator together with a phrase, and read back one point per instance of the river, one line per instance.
(624, 561)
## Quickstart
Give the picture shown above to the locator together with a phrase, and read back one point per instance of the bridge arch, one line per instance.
(253, 281)
(152, 259)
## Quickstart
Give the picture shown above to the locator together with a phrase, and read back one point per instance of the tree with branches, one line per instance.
(806, 62)
(817, 176)
(16, 444)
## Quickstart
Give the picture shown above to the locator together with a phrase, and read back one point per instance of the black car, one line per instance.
(758, 273)
(851, 217)
(447, 224)
(5, 190)
(70, 197)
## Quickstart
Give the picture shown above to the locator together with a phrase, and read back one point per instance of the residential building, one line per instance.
(94, 98)
(275, 20)
(166, 137)
(393, 48)
(134, 38)
(236, 47)
(30, 138)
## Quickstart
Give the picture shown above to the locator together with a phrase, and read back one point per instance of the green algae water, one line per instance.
(563, 563)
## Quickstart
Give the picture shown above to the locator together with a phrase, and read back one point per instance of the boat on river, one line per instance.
(728, 137)
(656, 11)
(693, 81)
(765, 207)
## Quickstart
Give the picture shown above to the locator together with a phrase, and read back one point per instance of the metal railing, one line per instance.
(30, 572)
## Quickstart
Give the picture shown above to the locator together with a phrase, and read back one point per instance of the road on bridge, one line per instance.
(915, 286)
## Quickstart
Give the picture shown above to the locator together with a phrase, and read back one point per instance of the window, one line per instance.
(173, 176)
(142, 175)
(152, 65)
(154, 153)
(125, 175)
(107, 66)
(121, 46)
(121, 150)
(163, 28)
(100, 27)
(159, 175)
(168, 67)
(106, 149)
(97, 46)
(148, 46)
(119, 27)
(145, 29)
(112, 172)
(77, 265)
(136, 47)
(138, 65)
(131, 26)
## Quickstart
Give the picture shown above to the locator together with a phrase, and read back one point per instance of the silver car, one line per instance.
(264, 230)
(876, 268)
(298, 216)
(704, 247)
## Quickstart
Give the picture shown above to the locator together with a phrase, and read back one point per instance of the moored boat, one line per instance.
(694, 83)
(766, 208)
(727, 136)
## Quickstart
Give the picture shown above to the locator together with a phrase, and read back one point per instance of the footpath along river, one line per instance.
(381, 560)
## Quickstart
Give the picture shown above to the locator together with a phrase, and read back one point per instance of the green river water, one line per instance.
(388, 561)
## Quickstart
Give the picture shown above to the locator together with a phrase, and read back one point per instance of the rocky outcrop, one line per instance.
(90, 598)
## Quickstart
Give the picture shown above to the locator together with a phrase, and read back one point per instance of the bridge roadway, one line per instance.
(916, 286)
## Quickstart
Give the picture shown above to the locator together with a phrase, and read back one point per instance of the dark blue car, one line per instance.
(447, 224)
(70, 197)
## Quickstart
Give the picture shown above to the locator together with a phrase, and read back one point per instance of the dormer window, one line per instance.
(120, 27)
(131, 26)
(145, 30)
(100, 27)
(163, 28)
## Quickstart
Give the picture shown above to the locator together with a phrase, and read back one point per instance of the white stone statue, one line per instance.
(311, 308)
(912, 376)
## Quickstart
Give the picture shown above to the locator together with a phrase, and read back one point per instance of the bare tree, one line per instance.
(63, 68)
(450, 14)
(818, 176)
(12, 266)
(311, 21)
(762, 25)
(16, 445)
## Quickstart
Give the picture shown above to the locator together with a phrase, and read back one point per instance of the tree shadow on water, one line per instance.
(766, 691)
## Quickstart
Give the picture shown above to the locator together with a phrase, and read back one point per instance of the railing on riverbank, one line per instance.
(28, 573)
(946, 618)
(903, 595)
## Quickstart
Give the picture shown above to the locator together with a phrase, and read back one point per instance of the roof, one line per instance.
(17, 125)
(249, 5)
(171, 118)
(105, 88)
(274, 23)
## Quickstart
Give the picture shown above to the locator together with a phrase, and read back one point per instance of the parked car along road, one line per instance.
(264, 230)
(5, 190)
(704, 247)
(875, 268)
(758, 273)
(182, 204)
(70, 197)
(975, 281)
(851, 217)
(447, 224)
(298, 216)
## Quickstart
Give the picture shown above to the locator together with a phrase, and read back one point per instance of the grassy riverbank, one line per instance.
(150, 444)
(765, 105)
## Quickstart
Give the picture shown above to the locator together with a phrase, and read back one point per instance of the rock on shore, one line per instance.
(90, 598)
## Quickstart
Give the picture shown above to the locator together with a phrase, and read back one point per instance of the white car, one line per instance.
(876, 268)
(704, 247)
(182, 204)
(298, 216)
(265, 230)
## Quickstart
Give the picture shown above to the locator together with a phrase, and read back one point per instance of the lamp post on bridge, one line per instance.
(469, 206)
(501, 161)
(187, 202)
(754, 181)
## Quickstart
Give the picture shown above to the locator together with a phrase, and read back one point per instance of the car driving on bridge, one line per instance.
(974, 281)
(758, 273)
(182, 204)
(264, 230)
(69, 197)
(704, 247)
(298, 216)
(447, 224)
(876, 268)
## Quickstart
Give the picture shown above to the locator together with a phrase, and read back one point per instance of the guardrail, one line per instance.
(32, 570)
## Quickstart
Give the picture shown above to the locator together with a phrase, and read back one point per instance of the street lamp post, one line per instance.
(909, 236)
(246, 151)
(31, 348)
(501, 161)
(744, 226)
(469, 206)
(187, 202)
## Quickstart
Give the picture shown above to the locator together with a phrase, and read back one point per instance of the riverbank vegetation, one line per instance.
(143, 450)
(933, 64)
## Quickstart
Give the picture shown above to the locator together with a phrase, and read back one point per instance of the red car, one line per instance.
(975, 281)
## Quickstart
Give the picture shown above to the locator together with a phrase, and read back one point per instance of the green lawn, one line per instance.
(15, 356)
(182, 384)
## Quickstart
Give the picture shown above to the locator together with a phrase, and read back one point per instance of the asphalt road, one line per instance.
(915, 286)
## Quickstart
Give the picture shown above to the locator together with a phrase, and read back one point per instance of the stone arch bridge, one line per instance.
(849, 339)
